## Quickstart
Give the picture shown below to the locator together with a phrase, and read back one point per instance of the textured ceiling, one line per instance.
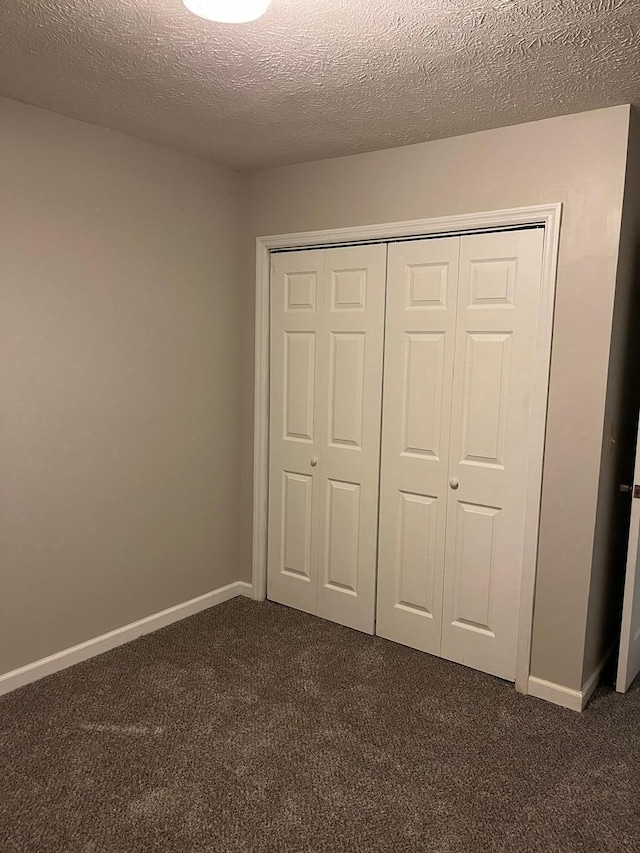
(318, 78)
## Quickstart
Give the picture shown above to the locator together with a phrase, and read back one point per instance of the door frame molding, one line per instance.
(549, 217)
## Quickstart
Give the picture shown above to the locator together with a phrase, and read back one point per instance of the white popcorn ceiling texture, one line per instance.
(317, 78)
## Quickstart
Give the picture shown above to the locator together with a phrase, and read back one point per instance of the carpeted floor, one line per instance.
(256, 728)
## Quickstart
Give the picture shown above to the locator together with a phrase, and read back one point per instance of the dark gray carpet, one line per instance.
(252, 727)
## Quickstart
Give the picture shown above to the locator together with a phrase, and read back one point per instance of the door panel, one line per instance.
(353, 332)
(346, 389)
(327, 328)
(417, 538)
(474, 566)
(629, 657)
(295, 553)
(496, 330)
(301, 290)
(418, 374)
(485, 392)
(424, 364)
(295, 416)
(342, 536)
(299, 385)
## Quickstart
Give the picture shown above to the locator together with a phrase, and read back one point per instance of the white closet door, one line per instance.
(296, 406)
(629, 657)
(496, 329)
(352, 351)
(418, 374)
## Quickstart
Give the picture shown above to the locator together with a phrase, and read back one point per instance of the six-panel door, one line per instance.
(352, 351)
(491, 417)
(297, 282)
(418, 375)
(326, 387)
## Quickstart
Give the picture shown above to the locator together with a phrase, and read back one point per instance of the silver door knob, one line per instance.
(454, 483)
(314, 461)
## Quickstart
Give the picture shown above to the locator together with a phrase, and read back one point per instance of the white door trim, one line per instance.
(545, 215)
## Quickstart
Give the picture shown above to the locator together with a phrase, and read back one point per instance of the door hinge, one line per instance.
(636, 491)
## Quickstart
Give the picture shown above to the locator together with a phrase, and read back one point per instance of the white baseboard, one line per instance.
(575, 700)
(556, 693)
(594, 679)
(90, 648)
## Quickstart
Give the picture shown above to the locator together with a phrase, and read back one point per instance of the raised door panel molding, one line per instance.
(301, 291)
(473, 567)
(417, 554)
(348, 290)
(297, 507)
(342, 536)
(493, 283)
(423, 390)
(346, 390)
(486, 391)
(427, 286)
(299, 385)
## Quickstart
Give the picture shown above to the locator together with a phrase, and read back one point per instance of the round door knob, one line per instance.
(454, 483)
(314, 461)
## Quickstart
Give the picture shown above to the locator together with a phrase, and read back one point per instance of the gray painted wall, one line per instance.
(120, 381)
(621, 421)
(126, 398)
(578, 160)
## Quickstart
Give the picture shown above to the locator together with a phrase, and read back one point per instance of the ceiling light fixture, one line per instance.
(228, 11)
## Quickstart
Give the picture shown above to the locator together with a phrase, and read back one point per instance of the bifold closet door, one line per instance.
(352, 353)
(294, 427)
(327, 330)
(418, 376)
(491, 418)
(462, 320)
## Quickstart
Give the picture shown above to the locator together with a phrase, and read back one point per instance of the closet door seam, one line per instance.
(384, 352)
(455, 345)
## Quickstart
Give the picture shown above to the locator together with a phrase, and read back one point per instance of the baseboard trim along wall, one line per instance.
(90, 648)
(556, 693)
(575, 700)
(594, 679)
